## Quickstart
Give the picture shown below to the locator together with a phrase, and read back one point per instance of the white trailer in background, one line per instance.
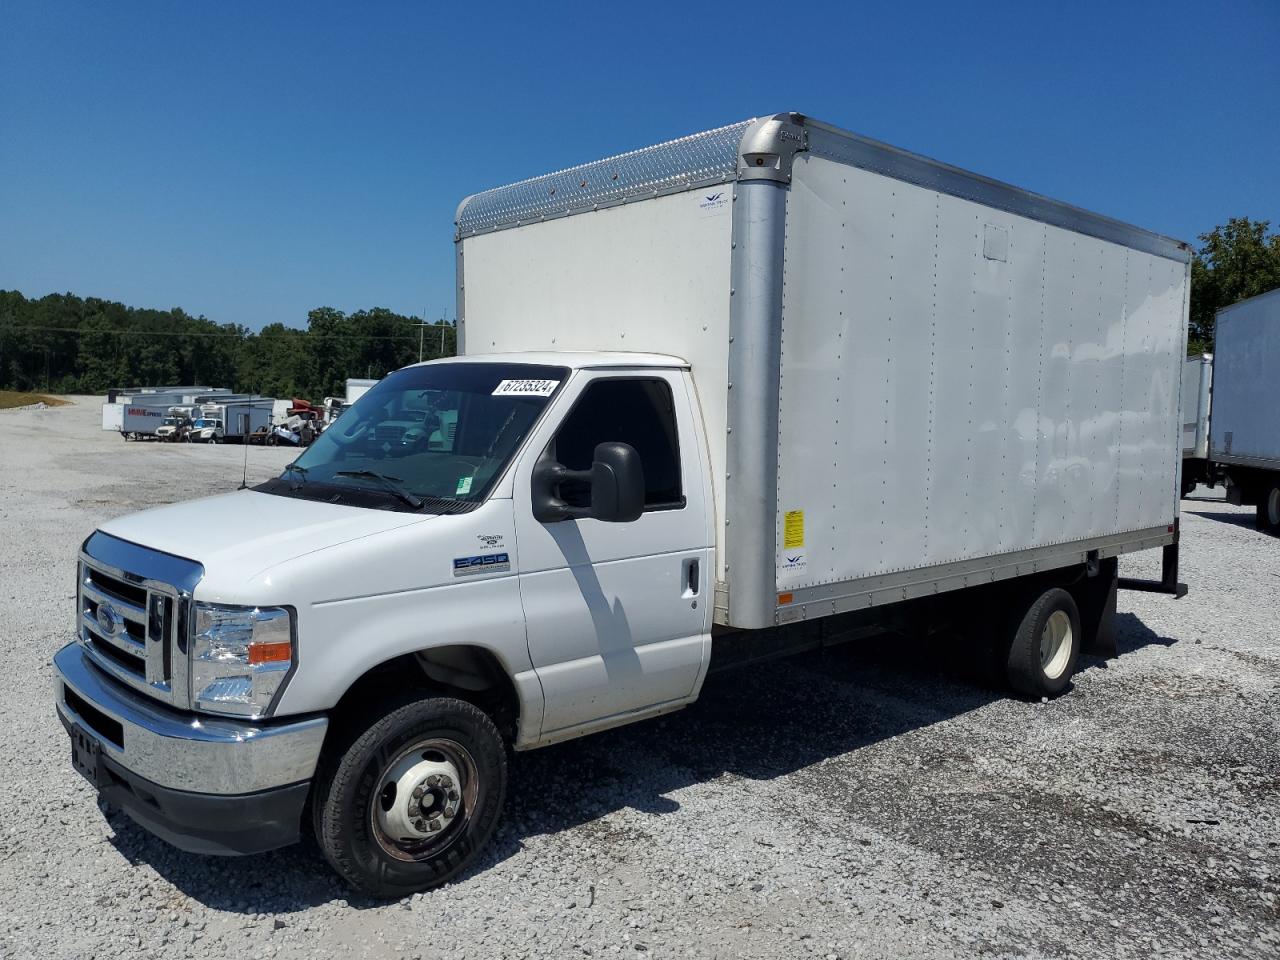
(113, 417)
(357, 389)
(1244, 427)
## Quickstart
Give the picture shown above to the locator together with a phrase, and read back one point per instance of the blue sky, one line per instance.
(250, 161)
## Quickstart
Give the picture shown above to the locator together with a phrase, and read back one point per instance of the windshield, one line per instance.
(208, 423)
(169, 422)
(441, 431)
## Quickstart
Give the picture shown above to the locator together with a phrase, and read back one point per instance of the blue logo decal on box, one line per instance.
(484, 563)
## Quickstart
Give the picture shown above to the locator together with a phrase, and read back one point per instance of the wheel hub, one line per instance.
(1055, 644)
(419, 797)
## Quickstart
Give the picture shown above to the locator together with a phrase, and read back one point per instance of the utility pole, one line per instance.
(422, 329)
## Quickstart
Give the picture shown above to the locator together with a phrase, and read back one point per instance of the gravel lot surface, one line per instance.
(862, 803)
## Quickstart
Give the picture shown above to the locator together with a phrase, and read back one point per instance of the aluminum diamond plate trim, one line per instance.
(671, 167)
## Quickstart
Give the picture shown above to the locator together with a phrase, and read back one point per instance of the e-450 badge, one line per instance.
(483, 563)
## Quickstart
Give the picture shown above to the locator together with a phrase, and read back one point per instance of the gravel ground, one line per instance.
(854, 804)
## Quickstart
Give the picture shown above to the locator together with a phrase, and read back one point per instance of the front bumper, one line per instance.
(204, 784)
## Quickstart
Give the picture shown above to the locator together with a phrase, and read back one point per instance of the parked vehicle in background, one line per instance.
(175, 426)
(207, 429)
(1244, 424)
(1197, 388)
(529, 543)
(233, 419)
(139, 412)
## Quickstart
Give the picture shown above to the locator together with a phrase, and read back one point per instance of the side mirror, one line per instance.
(616, 481)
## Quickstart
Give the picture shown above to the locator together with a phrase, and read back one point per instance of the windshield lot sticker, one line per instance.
(525, 388)
(464, 486)
(485, 563)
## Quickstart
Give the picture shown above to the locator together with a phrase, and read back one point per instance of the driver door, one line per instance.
(615, 612)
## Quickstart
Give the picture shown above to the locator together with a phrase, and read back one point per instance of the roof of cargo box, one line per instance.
(763, 148)
(567, 358)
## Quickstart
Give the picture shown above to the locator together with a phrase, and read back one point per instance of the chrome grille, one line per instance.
(132, 615)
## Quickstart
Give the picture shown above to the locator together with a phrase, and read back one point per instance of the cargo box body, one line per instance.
(912, 378)
(1245, 425)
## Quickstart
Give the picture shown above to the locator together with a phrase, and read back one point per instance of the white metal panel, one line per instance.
(651, 276)
(961, 382)
(1197, 375)
(1246, 359)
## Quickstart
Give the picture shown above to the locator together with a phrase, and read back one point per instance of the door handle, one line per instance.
(691, 577)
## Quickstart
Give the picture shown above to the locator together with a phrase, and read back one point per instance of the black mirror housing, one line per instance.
(617, 483)
(616, 479)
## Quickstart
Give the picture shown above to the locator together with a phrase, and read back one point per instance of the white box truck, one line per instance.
(230, 419)
(763, 389)
(1244, 424)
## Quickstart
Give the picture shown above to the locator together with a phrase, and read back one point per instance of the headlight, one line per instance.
(240, 658)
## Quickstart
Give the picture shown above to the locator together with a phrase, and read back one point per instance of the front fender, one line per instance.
(400, 592)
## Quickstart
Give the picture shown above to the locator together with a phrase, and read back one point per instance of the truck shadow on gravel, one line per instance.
(1248, 520)
(755, 723)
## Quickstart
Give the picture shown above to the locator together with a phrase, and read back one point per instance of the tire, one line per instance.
(1269, 508)
(362, 790)
(1044, 646)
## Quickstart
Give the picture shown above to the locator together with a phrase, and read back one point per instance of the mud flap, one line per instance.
(1096, 598)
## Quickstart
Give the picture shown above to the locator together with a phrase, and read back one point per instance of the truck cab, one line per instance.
(173, 428)
(206, 430)
(540, 567)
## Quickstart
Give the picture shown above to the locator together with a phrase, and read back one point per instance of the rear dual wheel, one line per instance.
(1044, 646)
(1269, 509)
(411, 800)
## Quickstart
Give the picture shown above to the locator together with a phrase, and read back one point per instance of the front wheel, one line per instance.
(1044, 646)
(412, 800)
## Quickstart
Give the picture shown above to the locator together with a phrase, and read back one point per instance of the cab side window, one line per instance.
(635, 411)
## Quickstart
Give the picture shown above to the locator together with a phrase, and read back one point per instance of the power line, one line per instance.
(228, 336)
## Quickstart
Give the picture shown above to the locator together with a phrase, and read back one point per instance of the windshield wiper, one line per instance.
(393, 484)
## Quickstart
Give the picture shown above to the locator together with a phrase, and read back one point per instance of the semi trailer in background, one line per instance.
(763, 389)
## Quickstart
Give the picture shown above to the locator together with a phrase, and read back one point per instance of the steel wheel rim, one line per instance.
(1273, 507)
(425, 765)
(1055, 644)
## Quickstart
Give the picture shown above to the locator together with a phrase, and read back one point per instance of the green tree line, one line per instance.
(1237, 260)
(63, 343)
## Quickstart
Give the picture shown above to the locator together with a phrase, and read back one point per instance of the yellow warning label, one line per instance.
(793, 530)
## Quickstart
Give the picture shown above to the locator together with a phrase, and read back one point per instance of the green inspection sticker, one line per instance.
(464, 486)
